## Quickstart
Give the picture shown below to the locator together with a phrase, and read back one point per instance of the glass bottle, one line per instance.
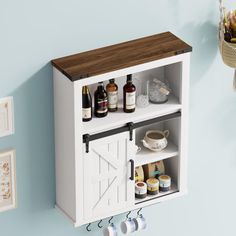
(129, 91)
(112, 92)
(100, 101)
(86, 104)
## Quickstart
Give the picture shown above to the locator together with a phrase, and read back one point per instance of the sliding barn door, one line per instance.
(107, 172)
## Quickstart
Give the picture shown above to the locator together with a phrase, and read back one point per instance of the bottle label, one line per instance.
(102, 106)
(86, 113)
(112, 99)
(130, 100)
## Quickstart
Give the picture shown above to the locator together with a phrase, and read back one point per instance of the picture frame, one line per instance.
(7, 180)
(6, 116)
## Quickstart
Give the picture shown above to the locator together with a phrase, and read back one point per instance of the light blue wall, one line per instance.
(34, 32)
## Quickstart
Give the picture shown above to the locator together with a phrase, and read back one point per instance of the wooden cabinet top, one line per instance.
(120, 56)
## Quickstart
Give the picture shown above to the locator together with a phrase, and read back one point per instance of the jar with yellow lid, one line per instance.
(152, 186)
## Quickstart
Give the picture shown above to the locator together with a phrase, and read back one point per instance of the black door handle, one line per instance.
(132, 169)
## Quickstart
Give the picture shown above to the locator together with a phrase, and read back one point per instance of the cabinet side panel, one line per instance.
(64, 143)
(184, 99)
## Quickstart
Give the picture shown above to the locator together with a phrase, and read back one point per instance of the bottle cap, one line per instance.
(111, 81)
(85, 90)
(129, 77)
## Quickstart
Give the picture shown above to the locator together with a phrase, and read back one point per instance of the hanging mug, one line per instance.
(127, 226)
(140, 222)
(110, 230)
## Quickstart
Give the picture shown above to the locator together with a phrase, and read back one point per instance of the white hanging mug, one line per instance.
(110, 230)
(128, 226)
(140, 222)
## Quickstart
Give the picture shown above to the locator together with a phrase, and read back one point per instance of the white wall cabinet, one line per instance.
(96, 160)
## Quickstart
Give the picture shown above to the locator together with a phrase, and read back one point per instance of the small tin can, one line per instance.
(152, 186)
(140, 190)
(165, 183)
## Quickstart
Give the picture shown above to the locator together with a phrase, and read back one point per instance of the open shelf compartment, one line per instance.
(171, 169)
(146, 156)
(171, 73)
(169, 156)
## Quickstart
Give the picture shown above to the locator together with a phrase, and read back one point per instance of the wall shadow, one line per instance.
(33, 102)
(203, 39)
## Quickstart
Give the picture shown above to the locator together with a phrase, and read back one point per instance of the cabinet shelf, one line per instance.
(146, 156)
(173, 189)
(119, 118)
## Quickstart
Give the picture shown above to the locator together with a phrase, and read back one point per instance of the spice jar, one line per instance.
(165, 183)
(152, 186)
(140, 190)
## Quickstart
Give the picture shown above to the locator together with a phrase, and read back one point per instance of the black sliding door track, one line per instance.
(128, 127)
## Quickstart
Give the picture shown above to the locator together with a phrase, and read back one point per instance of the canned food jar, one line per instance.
(165, 183)
(140, 190)
(152, 186)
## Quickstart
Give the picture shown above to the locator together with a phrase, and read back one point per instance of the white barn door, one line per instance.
(107, 171)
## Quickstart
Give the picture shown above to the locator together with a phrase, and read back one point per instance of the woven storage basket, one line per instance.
(229, 53)
(227, 50)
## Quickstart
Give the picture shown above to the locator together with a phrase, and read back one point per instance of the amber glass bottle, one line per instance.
(112, 92)
(129, 95)
(100, 101)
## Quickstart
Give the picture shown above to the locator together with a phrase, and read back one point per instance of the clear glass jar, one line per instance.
(142, 99)
(158, 91)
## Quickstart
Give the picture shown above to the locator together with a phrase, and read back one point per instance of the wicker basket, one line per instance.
(227, 50)
(228, 53)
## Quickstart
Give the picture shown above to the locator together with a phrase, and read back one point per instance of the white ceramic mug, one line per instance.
(110, 230)
(127, 226)
(156, 140)
(140, 223)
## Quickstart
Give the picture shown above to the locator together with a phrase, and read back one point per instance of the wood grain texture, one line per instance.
(120, 56)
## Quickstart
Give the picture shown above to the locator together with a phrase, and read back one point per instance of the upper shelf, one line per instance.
(119, 118)
(120, 56)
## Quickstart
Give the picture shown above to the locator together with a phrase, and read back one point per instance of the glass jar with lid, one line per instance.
(158, 91)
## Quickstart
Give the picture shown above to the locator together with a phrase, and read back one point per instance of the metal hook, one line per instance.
(100, 226)
(87, 228)
(138, 212)
(109, 221)
(127, 216)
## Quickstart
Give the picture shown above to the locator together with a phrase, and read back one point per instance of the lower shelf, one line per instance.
(173, 189)
(146, 156)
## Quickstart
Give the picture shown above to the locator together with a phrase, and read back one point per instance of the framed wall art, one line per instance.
(7, 180)
(6, 116)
